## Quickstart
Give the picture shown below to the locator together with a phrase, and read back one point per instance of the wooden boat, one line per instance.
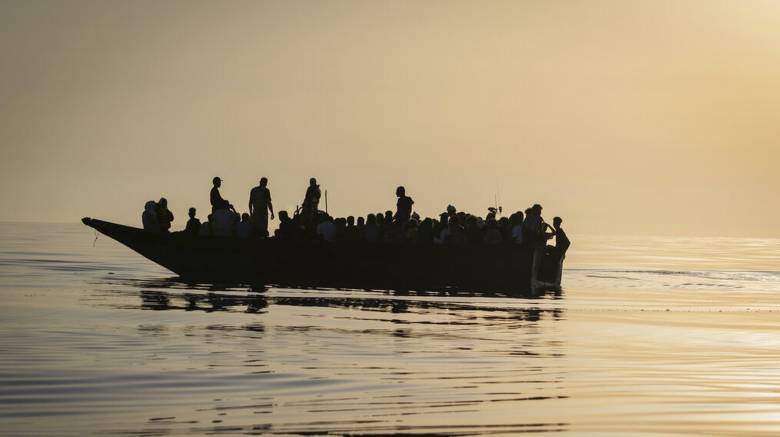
(347, 264)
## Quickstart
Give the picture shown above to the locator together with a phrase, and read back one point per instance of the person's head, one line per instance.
(361, 221)
(371, 219)
(400, 191)
(557, 222)
(210, 218)
(350, 221)
(245, 217)
(163, 202)
(516, 218)
(191, 212)
(284, 216)
(388, 216)
(313, 182)
(263, 181)
(217, 181)
(451, 210)
(528, 211)
(537, 209)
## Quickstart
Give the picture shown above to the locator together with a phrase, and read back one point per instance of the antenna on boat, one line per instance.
(326, 201)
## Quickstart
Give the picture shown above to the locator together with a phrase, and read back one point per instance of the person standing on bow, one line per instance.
(259, 206)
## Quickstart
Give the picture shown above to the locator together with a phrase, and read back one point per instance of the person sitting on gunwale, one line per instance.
(217, 202)
(244, 227)
(562, 242)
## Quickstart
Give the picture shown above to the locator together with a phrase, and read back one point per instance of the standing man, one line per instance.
(404, 206)
(311, 202)
(259, 205)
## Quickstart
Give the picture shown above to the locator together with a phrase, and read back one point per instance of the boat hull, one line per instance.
(359, 265)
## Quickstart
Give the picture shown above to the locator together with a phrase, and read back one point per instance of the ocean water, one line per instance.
(649, 336)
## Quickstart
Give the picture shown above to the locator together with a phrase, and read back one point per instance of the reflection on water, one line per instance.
(99, 341)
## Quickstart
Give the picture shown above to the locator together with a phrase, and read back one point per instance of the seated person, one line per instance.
(205, 227)
(193, 224)
(326, 229)
(243, 228)
(562, 242)
(223, 222)
(164, 215)
(149, 217)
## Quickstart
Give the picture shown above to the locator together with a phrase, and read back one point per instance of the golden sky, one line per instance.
(624, 117)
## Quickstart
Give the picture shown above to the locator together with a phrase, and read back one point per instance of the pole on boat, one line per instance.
(326, 201)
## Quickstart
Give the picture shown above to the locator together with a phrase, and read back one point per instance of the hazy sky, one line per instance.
(625, 117)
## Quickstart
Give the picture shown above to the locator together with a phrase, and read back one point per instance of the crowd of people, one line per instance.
(308, 223)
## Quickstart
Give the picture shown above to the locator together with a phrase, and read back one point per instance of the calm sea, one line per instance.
(651, 336)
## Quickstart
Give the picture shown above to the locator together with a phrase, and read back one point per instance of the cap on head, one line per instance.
(216, 179)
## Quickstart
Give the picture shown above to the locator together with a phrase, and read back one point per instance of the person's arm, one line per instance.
(250, 205)
(270, 205)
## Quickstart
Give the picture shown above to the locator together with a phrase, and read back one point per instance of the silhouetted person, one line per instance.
(259, 206)
(425, 232)
(205, 227)
(403, 206)
(562, 242)
(326, 229)
(164, 215)
(193, 224)
(244, 227)
(533, 226)
(517, 227)
(149, 217)
(311, 201)
(492, 235)
(371, 231)
(217, 202)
